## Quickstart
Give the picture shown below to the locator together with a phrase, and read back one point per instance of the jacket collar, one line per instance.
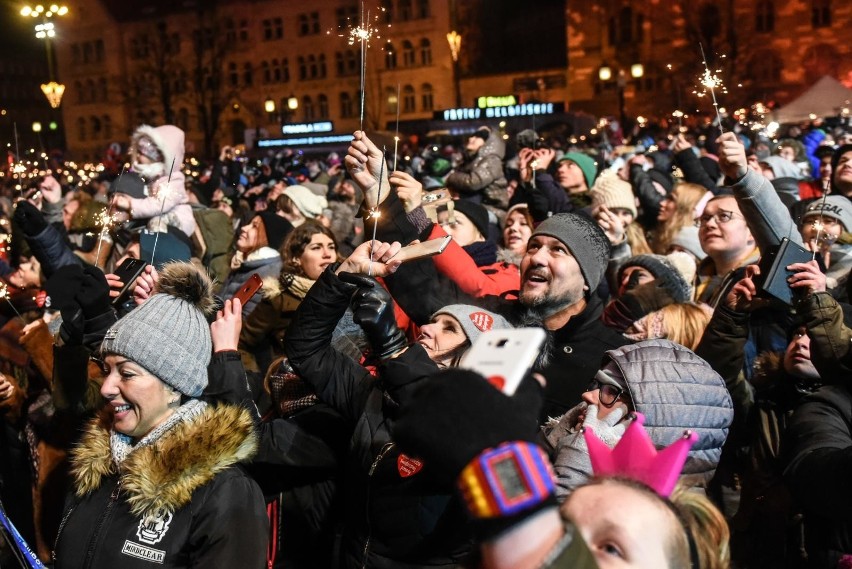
(165, 474)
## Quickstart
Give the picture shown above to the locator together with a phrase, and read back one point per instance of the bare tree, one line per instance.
(208, 92)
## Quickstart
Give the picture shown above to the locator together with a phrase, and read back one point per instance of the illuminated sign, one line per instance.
(505, 101)
(523, 110)
(304, 140)
(307, 127)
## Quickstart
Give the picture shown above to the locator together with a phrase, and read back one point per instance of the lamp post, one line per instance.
(47, 31)
(292, 106)
(637, 70)
(454, 39)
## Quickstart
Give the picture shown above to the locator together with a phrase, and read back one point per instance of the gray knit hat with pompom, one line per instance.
(168, 334)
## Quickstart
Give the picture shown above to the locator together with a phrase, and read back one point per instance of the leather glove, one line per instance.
(455, 416)
(63, 285)
(372, 309)
(93, 293)
(29, 218)
(633, 305)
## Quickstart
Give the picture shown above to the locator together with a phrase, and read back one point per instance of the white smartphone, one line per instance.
(504, 357)
(423, 249)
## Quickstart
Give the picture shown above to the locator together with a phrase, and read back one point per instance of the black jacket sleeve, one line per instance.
(693, 171)
(649, 198)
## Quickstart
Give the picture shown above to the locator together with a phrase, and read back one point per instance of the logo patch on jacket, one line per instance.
(153, 528)
(482, 320)
(408, 466)
(142, 552)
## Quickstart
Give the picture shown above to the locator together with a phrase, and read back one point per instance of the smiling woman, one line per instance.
(160, 463)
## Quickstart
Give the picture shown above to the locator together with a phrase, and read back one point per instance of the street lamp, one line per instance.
(605, 72)
(45, 30)
(454, 39)
(269, 106)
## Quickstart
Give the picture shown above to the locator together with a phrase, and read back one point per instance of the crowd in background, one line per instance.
(323, 420)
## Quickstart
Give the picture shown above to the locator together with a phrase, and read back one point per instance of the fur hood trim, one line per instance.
(169, 139)
(271, 287)
(165, 474)
(509, 257)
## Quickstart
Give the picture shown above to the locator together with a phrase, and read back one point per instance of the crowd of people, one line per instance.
(693, 286)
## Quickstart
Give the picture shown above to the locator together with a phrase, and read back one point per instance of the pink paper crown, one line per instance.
(635, 457)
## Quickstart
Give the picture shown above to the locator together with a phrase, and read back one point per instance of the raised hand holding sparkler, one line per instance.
(364, 161)
(732, 156)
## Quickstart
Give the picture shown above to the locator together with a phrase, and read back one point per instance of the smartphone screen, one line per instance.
(128, 272)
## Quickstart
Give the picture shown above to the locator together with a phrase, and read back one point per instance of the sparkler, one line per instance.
(4, 293)
(818, 224)
(711, 82)
(17, 158)
(106, 218)
(396, 136)
(375, 214)
(165, 193)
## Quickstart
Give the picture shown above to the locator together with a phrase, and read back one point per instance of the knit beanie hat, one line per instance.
(310, 204)
(586, 241)
(834, 207)
(474, 320)
(168, 334)
(664, 271)
(687, 239)
(613, 192)
(277, 228)
(663, 178)
(476, 213)
(586, 164)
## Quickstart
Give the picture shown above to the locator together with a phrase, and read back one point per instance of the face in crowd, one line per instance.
(797, 357)
(550, 276)
(570, 177)
(723, 230)
(442, 338)
(318, 254)
(516, 233)
(460, 228)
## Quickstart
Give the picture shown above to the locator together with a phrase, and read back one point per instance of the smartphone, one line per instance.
(423, 249)
(128, 271)
(504, 357)
(247, 291)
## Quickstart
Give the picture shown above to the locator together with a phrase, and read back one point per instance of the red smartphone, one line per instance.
(247, 291)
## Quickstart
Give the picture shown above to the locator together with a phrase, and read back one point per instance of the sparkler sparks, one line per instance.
(4, 293)
(711, 82)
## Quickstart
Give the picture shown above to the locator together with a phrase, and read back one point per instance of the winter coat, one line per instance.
(500, 278)
(818, 452)
(676, 391)
(831, 340)
(172, 209)
(264, 261)
(481, 176)
(181, 502)
(395, 513)
(693, 171)
(544, 199)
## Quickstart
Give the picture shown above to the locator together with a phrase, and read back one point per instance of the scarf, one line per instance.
(122, 445)
(296, 285)
(482, 252)
(262, 253)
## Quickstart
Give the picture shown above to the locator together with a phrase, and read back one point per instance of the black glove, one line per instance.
(72, 329)
(29, 218)
(456, 415)
(93, 293)
(63, 285)
(372, 309)
(635, 304)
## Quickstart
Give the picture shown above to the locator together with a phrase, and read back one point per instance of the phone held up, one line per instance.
(127, 272)
(248, 290)
(504, 357)
(423, 249)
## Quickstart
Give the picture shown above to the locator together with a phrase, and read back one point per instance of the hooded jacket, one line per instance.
(174, 208)
(483, 174)
(180, 502)
(676, 391)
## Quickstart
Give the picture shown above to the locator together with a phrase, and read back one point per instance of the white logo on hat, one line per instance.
(482, 320)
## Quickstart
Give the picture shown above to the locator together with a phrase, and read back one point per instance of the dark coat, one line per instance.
(266, 265)
(201, 509)
(393, 517)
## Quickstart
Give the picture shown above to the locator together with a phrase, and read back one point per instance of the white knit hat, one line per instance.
(310, 204)
(613, 192)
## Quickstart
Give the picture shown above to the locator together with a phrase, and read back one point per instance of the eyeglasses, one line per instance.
(722, 217)
(609, 393)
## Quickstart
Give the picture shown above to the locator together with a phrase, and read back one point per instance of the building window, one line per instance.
(426, 97)
(102, 89)
(765, 68)
(273, 29)
(230, 32)
(390, 56)
(408, 59)
(347, 108)
(312, 67)
(81, 128)
(339, 64)
(248, 74)
(244, 33)
(276, 71)
(265, 72)
(233, 75)
(346, 17)
(309, 24)
(285, 70)
(107, 120)
(308, 108)
(409, 100)
(764, 16)
(75, 54)
(303, 69)
(425, 52)
(626, 27)
(423, 10)
(404, 10)
(99, 50)
(322, 103)
(323, 71)
(821, 13)
(387, 11)
(88, 56)
(96, 127)
(91, 94)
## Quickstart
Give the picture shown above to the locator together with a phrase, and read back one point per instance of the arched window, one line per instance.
(81, 128)
(322, 68)
(248, 74)
(91, 93)
(347, 109)
(276, 71)
(425, 52)
(107, 120)
(102, 89)
(764, 17)
(339, 64)
(426, 97)
(312, 67)
(404, 10)
(308, 108)
(79, 92)
(303, 69)
(96, 127)
(409, 100)
(351, 62)
(391, 102)
(286, 69)
(407, 54)
(390, 56)
(264, 69)
(821, 13)
(322, 103)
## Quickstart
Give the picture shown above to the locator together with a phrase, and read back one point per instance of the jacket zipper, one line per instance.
(59, 532)
(94, 539)
(385, 449)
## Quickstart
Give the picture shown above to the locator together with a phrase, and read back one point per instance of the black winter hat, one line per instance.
(662, 178)
(482, 132)
(477, 214)
(277, 228)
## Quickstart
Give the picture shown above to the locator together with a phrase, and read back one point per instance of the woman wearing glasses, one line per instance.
(675, 390)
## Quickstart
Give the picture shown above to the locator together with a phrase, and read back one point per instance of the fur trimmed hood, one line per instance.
(165, 474)
(169, 139)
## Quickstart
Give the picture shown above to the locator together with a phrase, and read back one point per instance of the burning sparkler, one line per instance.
(4, 293)
(106, 219)
(375, 214)
(163, 191)
(711, 82)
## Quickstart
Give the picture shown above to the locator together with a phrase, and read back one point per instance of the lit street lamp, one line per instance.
(637, 70)
(454, 39)
(45, 30)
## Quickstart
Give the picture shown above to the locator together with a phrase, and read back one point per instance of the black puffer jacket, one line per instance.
(395, 514)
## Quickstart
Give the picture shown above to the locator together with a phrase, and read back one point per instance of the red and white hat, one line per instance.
(474, 320)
